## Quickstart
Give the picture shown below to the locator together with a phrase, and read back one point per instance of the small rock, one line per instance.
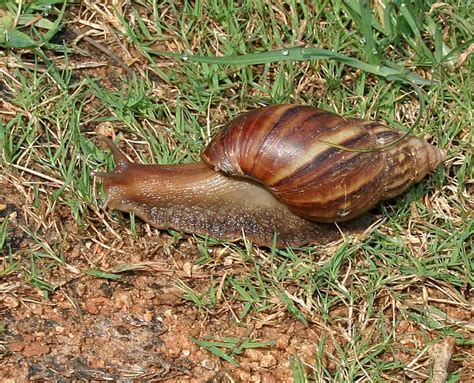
(307, 350)
(137, 310)
(188, 268)
(269, 378)
(36, 349)
(36, 308)
(254, 366)
(97, 363)
(16, 347)
(92, 308)
(268, 360)
(209, 364)
(253, 355)
(148, 294)
(282, 342)
(194, 330)
(80, 289)
(263, 359)
(148, 316)
(11, 302)
(256, 378)
(245, 376)
(168, 299)
(105, 129)
(97, 304)
(123, 299)
(173, 352)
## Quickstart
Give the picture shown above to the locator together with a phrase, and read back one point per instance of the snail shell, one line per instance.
(324, 167)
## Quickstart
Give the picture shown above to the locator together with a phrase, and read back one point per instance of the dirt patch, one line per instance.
(138, 328)
(141, 327)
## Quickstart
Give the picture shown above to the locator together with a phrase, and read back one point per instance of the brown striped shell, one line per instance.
(295, 152)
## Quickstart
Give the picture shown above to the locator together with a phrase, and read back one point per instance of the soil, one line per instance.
(135, 329)
(138, 327)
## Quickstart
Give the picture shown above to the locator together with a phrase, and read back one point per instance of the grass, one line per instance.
(234, 346)
(196, 65)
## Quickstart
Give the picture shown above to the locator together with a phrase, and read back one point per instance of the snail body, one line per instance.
(280, 174)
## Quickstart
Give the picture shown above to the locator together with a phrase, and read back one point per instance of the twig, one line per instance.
(38, 174)
(101, 48)
(441, 355)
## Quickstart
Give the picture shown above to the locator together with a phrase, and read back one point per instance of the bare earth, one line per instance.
(139, 327)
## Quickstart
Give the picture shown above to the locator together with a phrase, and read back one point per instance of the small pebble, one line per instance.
(209, 364)
(92, 308)
(36, 349)
(11, 302)
(16, 347)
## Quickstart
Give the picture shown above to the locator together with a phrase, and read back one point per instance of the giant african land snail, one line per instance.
(286, 172)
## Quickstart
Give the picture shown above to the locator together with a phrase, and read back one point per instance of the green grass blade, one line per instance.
(298, 371)
(366, 29)
(103, 274)
(301, 54)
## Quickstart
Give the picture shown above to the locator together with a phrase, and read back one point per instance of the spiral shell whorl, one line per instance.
(292, 151)
(407, 163)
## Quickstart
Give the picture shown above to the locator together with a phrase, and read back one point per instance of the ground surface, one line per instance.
(138, 327)
(90, 294)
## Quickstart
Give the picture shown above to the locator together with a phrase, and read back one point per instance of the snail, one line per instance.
(282, 174)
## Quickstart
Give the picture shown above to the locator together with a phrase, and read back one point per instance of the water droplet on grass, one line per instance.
(46, 9)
